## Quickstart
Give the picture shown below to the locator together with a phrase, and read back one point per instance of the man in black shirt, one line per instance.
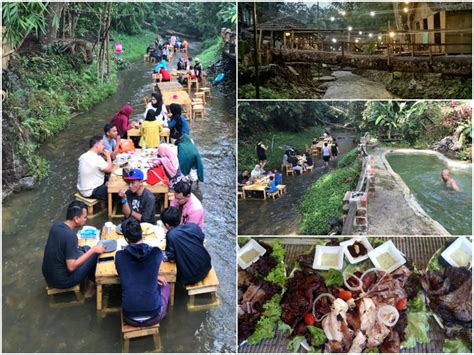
(64, 264)
(137, 202)
(242, 179)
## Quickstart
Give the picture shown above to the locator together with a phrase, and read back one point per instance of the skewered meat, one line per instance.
(391, 344)
(376, 334)
(335, 324)
(368, 314)
(358, 344)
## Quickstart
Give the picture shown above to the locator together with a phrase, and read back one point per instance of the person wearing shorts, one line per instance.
(326, 155)
(261, 155)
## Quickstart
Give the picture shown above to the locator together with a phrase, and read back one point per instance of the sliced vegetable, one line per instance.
(401, 304)
(348, 276)
(388, 315)
(321, 296)
(309, 319)
(456, 346)
(318, 337)
(344, 295)
(334, 278)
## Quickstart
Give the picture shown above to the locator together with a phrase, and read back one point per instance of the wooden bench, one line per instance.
(273, 194)
(207, 92)
(207, 285)
(55, 291)
(90, 203)
(281, 189)
(198, 109)
(130, 332)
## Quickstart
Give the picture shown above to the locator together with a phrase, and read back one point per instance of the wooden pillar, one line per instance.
(292, 39)
(284, 40)
(272, 40)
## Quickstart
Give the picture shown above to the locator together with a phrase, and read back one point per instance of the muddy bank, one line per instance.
(393, 210)
(421, 85)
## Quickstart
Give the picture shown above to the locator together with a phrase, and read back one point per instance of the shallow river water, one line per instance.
(30, 325)
(421, 173)
(281, 216)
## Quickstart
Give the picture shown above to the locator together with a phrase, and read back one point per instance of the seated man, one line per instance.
(188, 204)
(92, 169)
(277, 175)
(293, 160)
(272, 186)
(448, 181)
(185, 246)
(137, 201)
(242, 179)
(111, 140)
(64, 264)
(145, 294)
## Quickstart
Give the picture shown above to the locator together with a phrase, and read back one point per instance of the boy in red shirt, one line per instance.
(165, 75)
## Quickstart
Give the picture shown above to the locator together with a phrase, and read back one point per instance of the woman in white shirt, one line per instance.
(156, 104)
(326, 155)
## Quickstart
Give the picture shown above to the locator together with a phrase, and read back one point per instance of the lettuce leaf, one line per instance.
(294, 344)
(277, 275)
(265, 328)
(374, 349)
(416, 304)
(456, 346)
(318, 337)
(417, 329)
(333, 278)
(278, 251)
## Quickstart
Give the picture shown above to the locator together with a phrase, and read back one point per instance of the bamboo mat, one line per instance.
(419, 249)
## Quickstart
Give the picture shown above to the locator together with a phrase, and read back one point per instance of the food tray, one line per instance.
(419, 249)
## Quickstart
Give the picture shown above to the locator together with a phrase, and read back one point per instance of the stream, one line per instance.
(351, 86)
(281, 216)
(31, 325)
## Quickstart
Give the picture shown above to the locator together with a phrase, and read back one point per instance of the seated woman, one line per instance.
(121, 120)
(309, 159)
(272, 185)
(150, 131)
(181, 64)
(177, 123)
(257, 171)
(162, 64)
(168, 157)
(190, 162)
(156, 104)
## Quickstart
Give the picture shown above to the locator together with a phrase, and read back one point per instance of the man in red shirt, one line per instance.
(165, 75)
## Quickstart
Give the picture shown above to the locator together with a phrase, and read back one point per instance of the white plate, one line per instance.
(323, 250)
(459, 244)
(251, 245)
(387, 247)
(349, 242)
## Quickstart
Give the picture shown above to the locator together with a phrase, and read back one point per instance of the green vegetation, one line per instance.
(275, 142)
(211, 52)
(248, 92)
(265, 328)
(323, 199)
(134, 47)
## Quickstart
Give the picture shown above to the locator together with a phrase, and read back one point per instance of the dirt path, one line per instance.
(352, 86)
(393, 210)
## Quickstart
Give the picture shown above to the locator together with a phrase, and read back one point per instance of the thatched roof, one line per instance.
(286, 23)
(450, 6)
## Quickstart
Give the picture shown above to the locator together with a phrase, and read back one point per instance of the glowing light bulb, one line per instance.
(334, 40)
(370, 35)
(360, 32)
(349, 28)
(391, 34)
(372, 13)
(332, 18)
(405, 9)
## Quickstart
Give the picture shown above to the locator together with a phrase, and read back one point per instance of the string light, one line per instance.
(405, 9)
(391, 34)
(379, 37)
(349, 28)
(334, 40)
(360, 32)
(343, 13)
(332, 18)
(370, 35)
(372, 13)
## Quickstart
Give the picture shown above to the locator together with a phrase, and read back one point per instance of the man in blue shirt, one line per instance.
(111, 140)
(145, 294)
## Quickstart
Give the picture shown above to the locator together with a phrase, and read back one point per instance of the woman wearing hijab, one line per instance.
(257, 171)
(177, 123)
(121, 120)
(168, 157)
(150, 131)
(156, 104)
(190, 162)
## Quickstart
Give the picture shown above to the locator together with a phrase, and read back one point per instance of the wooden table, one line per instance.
(260, 185)
(116, 183)
(135, 132)
(106, 272)
(180, 97)
(169, 86)
(177, 73)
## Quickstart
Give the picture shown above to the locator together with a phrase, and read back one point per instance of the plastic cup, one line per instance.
(109, 226)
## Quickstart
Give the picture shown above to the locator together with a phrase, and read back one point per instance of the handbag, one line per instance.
(157, 175)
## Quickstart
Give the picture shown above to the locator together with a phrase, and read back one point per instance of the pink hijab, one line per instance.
(168, 158)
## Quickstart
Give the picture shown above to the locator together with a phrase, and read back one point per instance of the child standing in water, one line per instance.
(449, 182)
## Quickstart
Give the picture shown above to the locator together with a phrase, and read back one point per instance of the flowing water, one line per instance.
(422, 174)
(351, 86)
(30, 325)
(281, 216)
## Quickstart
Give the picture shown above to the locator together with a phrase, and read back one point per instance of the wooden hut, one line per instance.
(446, 25)
(287, 33)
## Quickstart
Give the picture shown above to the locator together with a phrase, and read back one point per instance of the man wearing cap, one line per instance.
(137, 201)
(197, 68)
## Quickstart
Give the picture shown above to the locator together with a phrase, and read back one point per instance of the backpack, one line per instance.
(157, 175)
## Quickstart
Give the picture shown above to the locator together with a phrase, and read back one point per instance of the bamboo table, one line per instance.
(135, 132)
(260, 185)
(106, 272)
(116, 183)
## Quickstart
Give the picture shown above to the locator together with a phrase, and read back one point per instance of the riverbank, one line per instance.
(393, 210)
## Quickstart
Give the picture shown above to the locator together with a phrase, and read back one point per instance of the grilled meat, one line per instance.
(391, 344)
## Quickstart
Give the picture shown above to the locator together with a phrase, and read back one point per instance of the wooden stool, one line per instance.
(207, 285)
(191, 82)
(309, 168)
(281, 189)
(273, 194)
(290, 171)
(200, 95)
(207, 92)
(90, 203)
(130, 332)
(146, 58)
(196, 100)
(198, 109)
(153, 60)
(240, 194)
(54, 291)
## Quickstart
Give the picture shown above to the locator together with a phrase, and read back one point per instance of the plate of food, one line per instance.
(447, 284)
(147, 228)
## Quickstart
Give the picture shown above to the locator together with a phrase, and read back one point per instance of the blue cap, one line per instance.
(134, 174)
